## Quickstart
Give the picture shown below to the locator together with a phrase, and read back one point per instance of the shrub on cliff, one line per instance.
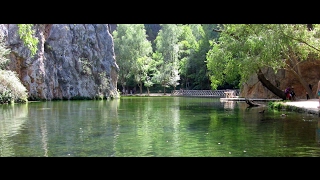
(11, 88)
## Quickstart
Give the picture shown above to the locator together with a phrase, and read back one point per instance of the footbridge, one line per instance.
(228, 93)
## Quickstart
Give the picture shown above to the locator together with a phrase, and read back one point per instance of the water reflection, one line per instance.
(12, 119)
(154, 126)
(229, 104)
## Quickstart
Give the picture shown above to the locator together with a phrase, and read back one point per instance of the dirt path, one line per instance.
(310, 105)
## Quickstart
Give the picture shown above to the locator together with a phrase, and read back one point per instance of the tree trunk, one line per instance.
(297, 72)
(148, 91)
(123, 89)
(140, 87)
(294, 67)
(304, 84)
(266, 83)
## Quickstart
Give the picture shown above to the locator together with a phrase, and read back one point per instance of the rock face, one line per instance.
(283, 79)
(72, 61)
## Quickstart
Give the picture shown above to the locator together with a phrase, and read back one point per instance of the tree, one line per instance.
(244, 49)
(133, 52)
(167, 46)
(174, 78)
(122, 51)
(194, 44)
(142, 54)
(141, 72)
(187, 46)
(198, 70)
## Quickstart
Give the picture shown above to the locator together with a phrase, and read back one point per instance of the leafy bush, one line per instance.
(11, 88)
(275, 105)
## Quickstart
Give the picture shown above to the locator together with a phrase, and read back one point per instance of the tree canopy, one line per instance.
(167, 44)
(243, 49)
(133, 52)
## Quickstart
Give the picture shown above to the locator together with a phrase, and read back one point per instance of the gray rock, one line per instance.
(73, 60)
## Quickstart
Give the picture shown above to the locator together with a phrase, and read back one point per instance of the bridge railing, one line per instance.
(205, 93)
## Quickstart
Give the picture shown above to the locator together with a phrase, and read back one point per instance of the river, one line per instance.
(155, 127)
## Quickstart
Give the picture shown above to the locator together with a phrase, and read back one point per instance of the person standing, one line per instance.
(287, 92)
(318, 92)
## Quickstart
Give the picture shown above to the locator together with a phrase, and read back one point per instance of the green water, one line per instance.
(155, 127)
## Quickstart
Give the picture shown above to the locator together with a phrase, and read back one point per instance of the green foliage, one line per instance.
(188, 45)
(152, 32)
(167, 45)
(178, 58)
(86, 66)
(26, 34)
(194, 44)
(148, 82)
(11, 89)
(123, 51)
(143, 62)
(199, 69)
(275, 105)
(242, 49)
(133, 52)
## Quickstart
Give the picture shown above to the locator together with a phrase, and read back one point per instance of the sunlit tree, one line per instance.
(244, 49)
(142, 52)
(133, 53)
(167, 45)
(188, 45)
(122, 42)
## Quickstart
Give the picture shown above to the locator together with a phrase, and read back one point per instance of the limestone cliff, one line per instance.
(72, 61)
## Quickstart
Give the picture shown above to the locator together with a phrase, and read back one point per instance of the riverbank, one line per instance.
(302, 106)
(305, 106)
